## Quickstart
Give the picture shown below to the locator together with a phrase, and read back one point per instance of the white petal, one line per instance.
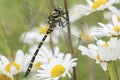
(102, 25)
(83, 49)
(92, 46)
(2, 70)
(113, 9)
(114, 19)
(84, 7)
(67, 57)
(104, 65)
(68, 74)
(90, 3)
(56, 51)
(19, 57)
(4, 60)
(89, 52)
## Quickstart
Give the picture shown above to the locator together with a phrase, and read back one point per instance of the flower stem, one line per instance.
(69, 37)
(111, 71)
(116, 70)
(17, 77)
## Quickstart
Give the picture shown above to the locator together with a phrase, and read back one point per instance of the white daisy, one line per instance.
(45, 54)
(85, 34)
(48, 55)
(15, 66)
(108, 14)
(108, 29)
(35, 35)
(97, 5)
(103, 52)
(58, 67)
(37, 63)
(4, 75)
(76, 13)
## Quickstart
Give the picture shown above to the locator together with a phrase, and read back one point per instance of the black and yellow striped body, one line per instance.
(53, 20)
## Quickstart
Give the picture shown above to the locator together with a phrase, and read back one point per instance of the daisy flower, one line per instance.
(58, 67)
(97, 5)
(108, 29)
(15, 66)
(37, 63)
(45, 54)
(4, 75)
(76, 13)
(35, 35)
(85, 34)
(108, 14)
(102, 52)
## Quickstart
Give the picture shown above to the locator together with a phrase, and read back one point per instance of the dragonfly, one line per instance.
(53, 19)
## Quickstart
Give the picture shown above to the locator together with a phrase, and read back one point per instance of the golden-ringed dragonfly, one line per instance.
(53, 19)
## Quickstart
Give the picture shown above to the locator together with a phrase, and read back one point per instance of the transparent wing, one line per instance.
(32, 15)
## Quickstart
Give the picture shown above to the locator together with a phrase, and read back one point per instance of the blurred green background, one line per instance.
(16, 17)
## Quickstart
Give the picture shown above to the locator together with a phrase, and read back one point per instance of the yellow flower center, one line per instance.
(105, 44)
(57, 70)
(4, 77)
(8, 66)
(37, 65)
(98, 57)
(98, 3)
(43, 29)
(116, 28)
(87, 37)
